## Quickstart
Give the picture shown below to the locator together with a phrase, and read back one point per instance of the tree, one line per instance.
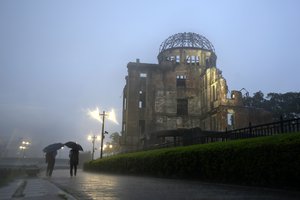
(115, 141)
(286, 105)
(257, 100)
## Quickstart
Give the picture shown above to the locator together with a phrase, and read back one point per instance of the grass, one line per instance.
(271, 160)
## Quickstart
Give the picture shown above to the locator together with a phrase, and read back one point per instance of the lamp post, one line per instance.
(22, 148)
(93, 138)
(102, 133)
(24, 145)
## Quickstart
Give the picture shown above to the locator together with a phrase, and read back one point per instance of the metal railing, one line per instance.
(279, 127)
(282, 126)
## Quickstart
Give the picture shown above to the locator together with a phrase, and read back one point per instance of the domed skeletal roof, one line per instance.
(189, 40)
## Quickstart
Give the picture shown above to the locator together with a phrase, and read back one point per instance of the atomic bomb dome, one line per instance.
(183, 96)
(187, 48)
(186, 40)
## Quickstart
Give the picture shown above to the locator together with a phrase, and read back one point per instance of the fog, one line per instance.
(61, 59)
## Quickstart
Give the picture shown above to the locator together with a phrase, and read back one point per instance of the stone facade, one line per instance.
(184, 90)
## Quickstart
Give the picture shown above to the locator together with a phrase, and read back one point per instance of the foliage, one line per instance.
(115, 141)
(115, 138)
(286, 105)
(271, 160)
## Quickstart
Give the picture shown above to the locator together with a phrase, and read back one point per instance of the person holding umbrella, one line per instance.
(50, 160)
(74, 158)
(51, 152)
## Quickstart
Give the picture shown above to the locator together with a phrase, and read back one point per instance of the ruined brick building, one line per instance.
(184, 90)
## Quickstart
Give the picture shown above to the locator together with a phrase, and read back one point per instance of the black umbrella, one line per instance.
(74, 146)
(53, 147)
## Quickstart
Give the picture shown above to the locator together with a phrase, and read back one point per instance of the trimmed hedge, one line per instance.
(271, 160)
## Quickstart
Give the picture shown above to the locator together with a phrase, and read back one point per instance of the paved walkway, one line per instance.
(33, 188)
(107, 186)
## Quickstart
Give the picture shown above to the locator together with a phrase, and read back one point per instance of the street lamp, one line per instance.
(102, 133)
(93, 138)
(22, 148)
(108, 148)
(95, 114)
(24, 145)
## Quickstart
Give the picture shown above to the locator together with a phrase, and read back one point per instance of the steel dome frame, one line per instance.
(186, 40)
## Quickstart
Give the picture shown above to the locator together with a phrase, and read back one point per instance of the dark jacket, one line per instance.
(74, 157)
(50, 156)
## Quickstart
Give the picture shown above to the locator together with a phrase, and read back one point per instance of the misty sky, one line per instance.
(60, 58)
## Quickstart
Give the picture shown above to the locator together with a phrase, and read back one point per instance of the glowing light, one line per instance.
(25, 143)
(112, 116)
(94, 114)
(109, 115)
(89, 137)
(94, 137)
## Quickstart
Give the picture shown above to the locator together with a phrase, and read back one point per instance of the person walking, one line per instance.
(50, 160)
(74, 159)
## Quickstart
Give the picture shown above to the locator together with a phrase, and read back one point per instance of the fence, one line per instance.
(282, 126)
(279, 127)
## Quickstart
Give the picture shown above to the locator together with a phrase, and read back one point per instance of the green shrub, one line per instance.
(271, 160)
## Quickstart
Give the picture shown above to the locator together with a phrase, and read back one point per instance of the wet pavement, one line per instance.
(107, 186)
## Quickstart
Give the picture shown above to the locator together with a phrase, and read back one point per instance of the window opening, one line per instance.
(140, 104)
(124, 126)
(143, 75)
(188, 59)
(182, 106)
(142, 126)
(193, 59)
(181, 80)
(197, 60)
(142, 99)
(177, 59)
(230, 119)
